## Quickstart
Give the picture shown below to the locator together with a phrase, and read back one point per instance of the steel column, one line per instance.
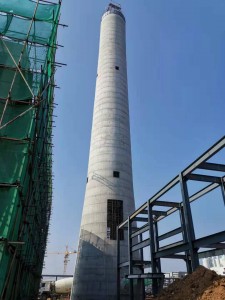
(184, 234)
(158, 261)
(152, 248)
(130, 267)
(118, 263)
(223, 189)
(189, 223)
(140, 281)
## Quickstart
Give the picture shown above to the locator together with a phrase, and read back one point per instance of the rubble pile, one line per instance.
(203, 284)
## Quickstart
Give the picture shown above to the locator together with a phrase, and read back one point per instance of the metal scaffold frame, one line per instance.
(28, 44)
(188, 248)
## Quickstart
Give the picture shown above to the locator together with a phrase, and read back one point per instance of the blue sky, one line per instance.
(176, 75)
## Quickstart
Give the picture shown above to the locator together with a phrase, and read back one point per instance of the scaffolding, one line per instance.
(141, 227)
(28, 44)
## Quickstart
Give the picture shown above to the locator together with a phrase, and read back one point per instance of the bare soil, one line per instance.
(203, 284)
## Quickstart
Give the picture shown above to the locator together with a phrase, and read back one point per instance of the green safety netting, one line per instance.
(27, 54)
(10, 211)
(17, 156)
(8, 70)
(45, 12)
(20, 128)
(40, 31)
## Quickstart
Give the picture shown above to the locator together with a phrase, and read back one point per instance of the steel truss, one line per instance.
(188, 248)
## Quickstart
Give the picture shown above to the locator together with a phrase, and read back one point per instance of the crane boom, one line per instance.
(66, 257)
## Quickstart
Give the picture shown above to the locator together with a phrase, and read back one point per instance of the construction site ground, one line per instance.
(203, 284)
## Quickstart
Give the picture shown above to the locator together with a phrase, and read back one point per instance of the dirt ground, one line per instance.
(203, 284)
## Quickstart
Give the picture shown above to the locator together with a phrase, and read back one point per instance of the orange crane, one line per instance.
(66, 257)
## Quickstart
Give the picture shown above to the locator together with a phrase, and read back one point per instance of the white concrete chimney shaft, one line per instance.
(109, 192)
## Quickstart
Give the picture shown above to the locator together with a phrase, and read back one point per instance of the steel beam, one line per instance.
(165, 189)
(166, 203)
(212, 167)
(146, 276)
(140, 219)
(176, 205)
(142, 262)
(203, 191)
(124, 264)
(123, 224)
(169, 212)
(216, 245)
(159, 213)
(140, 230)
(139, 210)
(194, 197)
(210, 239)
(171, 246)
(176, 256)
(155, 212)
(170, 233)
(172, 249)
(140, 245)
(205, 178)
(57, 275)
(205, 156)
(136, 263)
(210, 253)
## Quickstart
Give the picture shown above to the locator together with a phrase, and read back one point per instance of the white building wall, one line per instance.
(110, 150)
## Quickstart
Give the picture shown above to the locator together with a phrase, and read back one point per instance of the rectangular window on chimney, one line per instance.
(114, 218)
(116, 174)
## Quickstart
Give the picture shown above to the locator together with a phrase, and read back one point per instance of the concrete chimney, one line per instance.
(109, 191)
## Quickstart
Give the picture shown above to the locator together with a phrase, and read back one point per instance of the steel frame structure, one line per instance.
(188, 248)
